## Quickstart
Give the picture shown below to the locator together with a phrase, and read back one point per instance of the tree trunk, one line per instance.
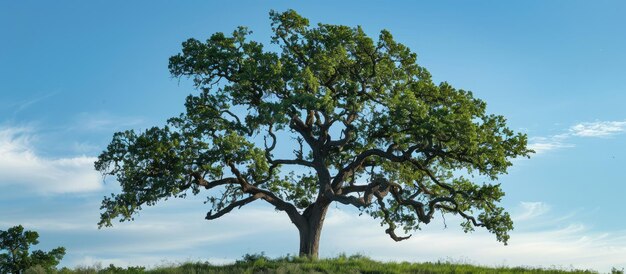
(310, 233)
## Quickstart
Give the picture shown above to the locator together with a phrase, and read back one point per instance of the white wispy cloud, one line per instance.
(20, 164)
(598, 129)
(531, 210)
(542, 144)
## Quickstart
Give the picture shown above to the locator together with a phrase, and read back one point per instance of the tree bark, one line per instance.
(311, 231)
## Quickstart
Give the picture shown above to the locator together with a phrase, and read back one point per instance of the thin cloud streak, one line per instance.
(104, 122)
(24, 105)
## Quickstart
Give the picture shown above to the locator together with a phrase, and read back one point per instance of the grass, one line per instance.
(341, 264)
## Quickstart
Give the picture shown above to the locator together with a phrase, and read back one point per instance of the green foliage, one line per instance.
(111, 269)
(14, 245)
(372, 129)
(250, 258)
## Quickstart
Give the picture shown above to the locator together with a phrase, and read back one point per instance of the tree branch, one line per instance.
(239, 204)
(463, 214)
(379, 188)
(292, 162)
(360, 160)
(268, 150)
(199, 180)
(348, 133)
(294, 48)
(391, 230)
(269, 197)
(299, 126)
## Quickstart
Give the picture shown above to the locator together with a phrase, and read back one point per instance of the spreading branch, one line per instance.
(231, 206)
(268, 196)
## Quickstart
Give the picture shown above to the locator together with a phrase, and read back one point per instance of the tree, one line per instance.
(369, 128)
(15, 242)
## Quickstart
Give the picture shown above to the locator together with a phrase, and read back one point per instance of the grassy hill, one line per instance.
(341, 264)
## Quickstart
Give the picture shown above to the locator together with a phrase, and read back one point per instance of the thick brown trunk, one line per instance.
(310, 234)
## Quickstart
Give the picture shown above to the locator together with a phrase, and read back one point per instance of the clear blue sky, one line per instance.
(72, 73)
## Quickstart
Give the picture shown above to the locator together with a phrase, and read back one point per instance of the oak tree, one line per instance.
(14, 256)
(369, 128)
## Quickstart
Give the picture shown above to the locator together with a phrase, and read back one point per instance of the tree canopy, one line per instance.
(371, 130)
(15, 243)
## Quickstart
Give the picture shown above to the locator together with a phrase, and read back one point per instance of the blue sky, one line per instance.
(72, 73)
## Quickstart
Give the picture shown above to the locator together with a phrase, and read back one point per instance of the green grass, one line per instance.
(341, 264)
